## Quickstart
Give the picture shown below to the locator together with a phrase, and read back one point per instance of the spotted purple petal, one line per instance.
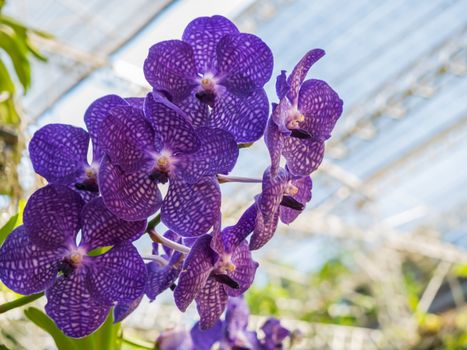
(210, 303)
(101, 228)
(52, 216)
(127, 126)
(129, 196)
(59, 152)
(191, 209)
(264, 229)
(95, 115)
(245, 269)
(321, 107)
(303, 156)
(160, 277)
(118, 275)
(196, 269)
(203, 34)
(205, 339)
(236, 317)
(245, 62)
(71, 306)
(300, 71)
(231, 237)
(275, 142)
(217, 155)
(281, 85)
(304, 186)
(25, 267)
(123, 310)
(244, 118)
(170, 67)
(171, 124)
(196, 111)
(135, 102)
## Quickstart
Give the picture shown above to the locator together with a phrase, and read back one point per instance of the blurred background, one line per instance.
(379, 258)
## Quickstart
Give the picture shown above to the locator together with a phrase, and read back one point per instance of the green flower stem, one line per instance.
(137, 343)
(153, 223)
(19, 302)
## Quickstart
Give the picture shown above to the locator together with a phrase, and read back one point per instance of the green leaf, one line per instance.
(41, 320)
(3, 347)
(7, 228)
(13, 222)
(106, 336)
(16, 48)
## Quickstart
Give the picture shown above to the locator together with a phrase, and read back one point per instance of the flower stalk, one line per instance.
(156, 237)
(19, 302)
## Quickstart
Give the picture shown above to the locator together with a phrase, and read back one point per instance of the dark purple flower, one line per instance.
(303, 119)
(215, 65)
(284, 196)
(43, 255)
(274, 334)
(217, 268)
(162, 146)
(124, 309)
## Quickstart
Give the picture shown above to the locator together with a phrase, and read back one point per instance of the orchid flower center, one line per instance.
(208, 82)
(163, 164)
(294, 118)
(290, 189)
(207, 89)
(89, 180)
(225, 264)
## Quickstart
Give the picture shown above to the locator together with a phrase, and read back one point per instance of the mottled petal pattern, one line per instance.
(171, 124)
(231, 237)
(303, 156)
(210, 303)
(25, 267)
(71, 306)
(122, 310)
(304, 186)
(170, 67)
(95, 115)
(101, 228)
(300, 71)
(196, 270)
(191, 209)
(118, 275)
(203, 34)
(275, 142)
(244, 117)
(127, 126)
(245, 269)
(196, 111)
(217, 155)
(130, 197)
(58, 152)
(52, 216)
(281, 85)
(321, 107)
(264, 230)
(160, 277)
(245, 61)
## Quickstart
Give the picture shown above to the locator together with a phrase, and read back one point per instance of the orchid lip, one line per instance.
(226, 279)
(292, 203)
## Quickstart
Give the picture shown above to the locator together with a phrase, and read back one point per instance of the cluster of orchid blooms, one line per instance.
(207, 102)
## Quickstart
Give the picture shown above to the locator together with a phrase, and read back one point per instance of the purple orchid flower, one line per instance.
(283, 196)
(161, 146)
(214, 65)
(215, 268)
(43, 255)
(59, 152)
(303, 119)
